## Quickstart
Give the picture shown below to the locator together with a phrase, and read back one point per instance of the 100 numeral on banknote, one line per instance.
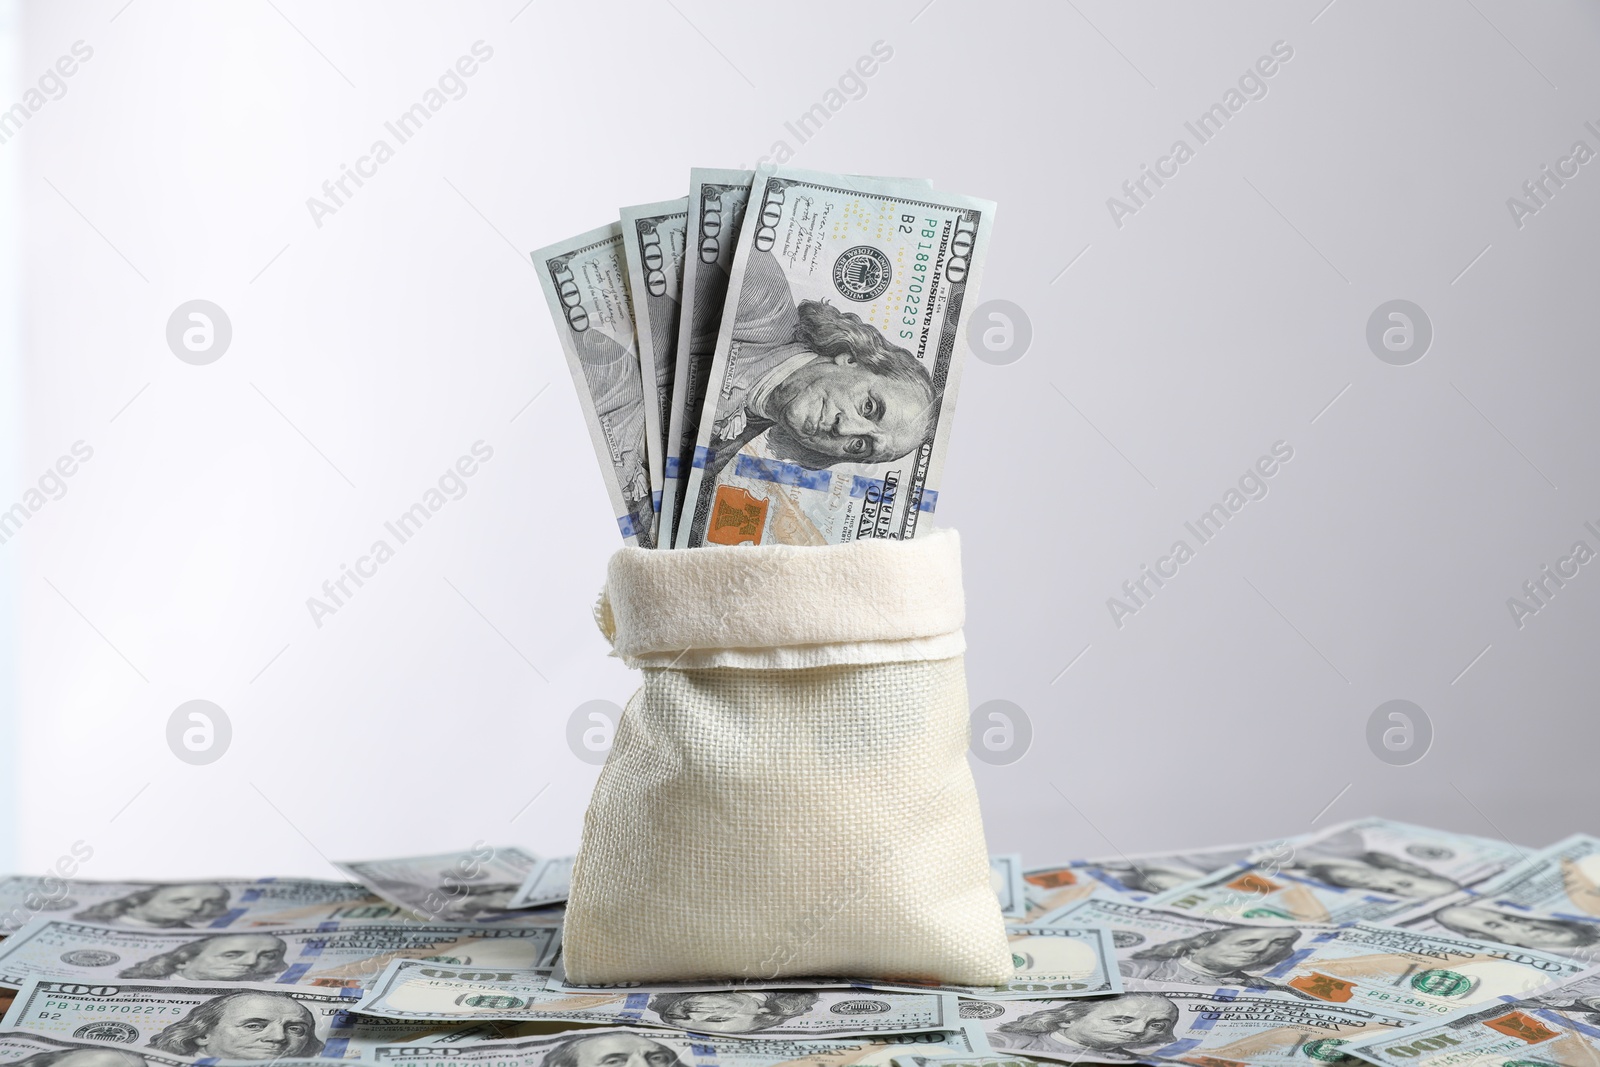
(837, 363)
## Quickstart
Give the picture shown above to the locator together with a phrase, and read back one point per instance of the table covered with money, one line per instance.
(1367, 941)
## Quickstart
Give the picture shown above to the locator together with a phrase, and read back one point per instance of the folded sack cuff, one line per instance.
(780, 606)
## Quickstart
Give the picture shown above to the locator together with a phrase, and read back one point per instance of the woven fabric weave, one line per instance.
(758, 823)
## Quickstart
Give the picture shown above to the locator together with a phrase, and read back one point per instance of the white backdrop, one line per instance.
(1172, 345)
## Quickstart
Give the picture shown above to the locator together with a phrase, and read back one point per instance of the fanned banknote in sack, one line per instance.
(837, 363)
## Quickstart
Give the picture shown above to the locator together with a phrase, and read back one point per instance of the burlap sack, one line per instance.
(788, 792)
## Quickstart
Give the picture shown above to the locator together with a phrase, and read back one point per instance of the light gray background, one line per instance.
(1168, 354)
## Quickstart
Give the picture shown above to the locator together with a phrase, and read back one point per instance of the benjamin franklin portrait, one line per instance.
(1215, 958)
(1130, 1024)
(219, 958)
(177, 906)
(827, 387)
(732, 1011)
(246, 1025)
(612, 1050)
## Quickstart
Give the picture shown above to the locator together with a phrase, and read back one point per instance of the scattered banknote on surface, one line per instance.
(1136, 877)
(332, 954)
(409, 989)
(43, 1050)
(1378, 968)
(1385, 856)
(653, 237)
(1557, 1027)
(1005, 874)
(837, 363)
(620, 1047)
(957, 1060)
(453, 887)
(200, 904)
(249, 1022)
(661, 1048)
(548, 883)
(1465, 914)
(1245, 892)
(1051, 962)
(1211, 1029)
(1563, 879)
(585, 283)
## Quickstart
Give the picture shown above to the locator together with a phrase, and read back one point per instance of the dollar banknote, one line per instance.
(548, 883)
(716, 204)
(585, 282)
(837, 362)
(1562, 880)
(43, 1050)
(409, 989)
(1136, 877)
(1246, 891)
(1385, 856)
(604, 1047)
(230, 1022)
(653, 238)
(331, 954)
(1559, 1026)
(216, 903)
(1380, 968)
(1207, 1028)
(959, 1060)
(1005, 874)
(476, 884)
(1465, 914)
(1050, 962)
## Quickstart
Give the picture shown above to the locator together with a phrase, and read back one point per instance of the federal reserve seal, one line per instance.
(861, 273)
(860, 1007)
(1430, 852)
(980, 1009)
(106, 1030)
(90, 957)
(1126, 938)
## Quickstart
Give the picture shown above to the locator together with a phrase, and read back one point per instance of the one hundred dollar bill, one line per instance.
(1211, 1029)
(1136, 877)
(1378, 968)
(1362, 869)
(585, 282)
(332, 954)
(1245, 891)
(653, 237)
(837, 362)
(548, 883)
(716, 204)
(45, 1050)
(1051, 962)
(202, 903)
(1562, 880)
(411, 989)
(1557, 1027)
(924, 1060)
(1466, 914)
(1385, 856)
(1005, 874)
(660, 1048)
(230, 1022)
(472, 885)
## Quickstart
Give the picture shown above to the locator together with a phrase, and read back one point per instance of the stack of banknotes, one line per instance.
(1371, 941)
(774, 358)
